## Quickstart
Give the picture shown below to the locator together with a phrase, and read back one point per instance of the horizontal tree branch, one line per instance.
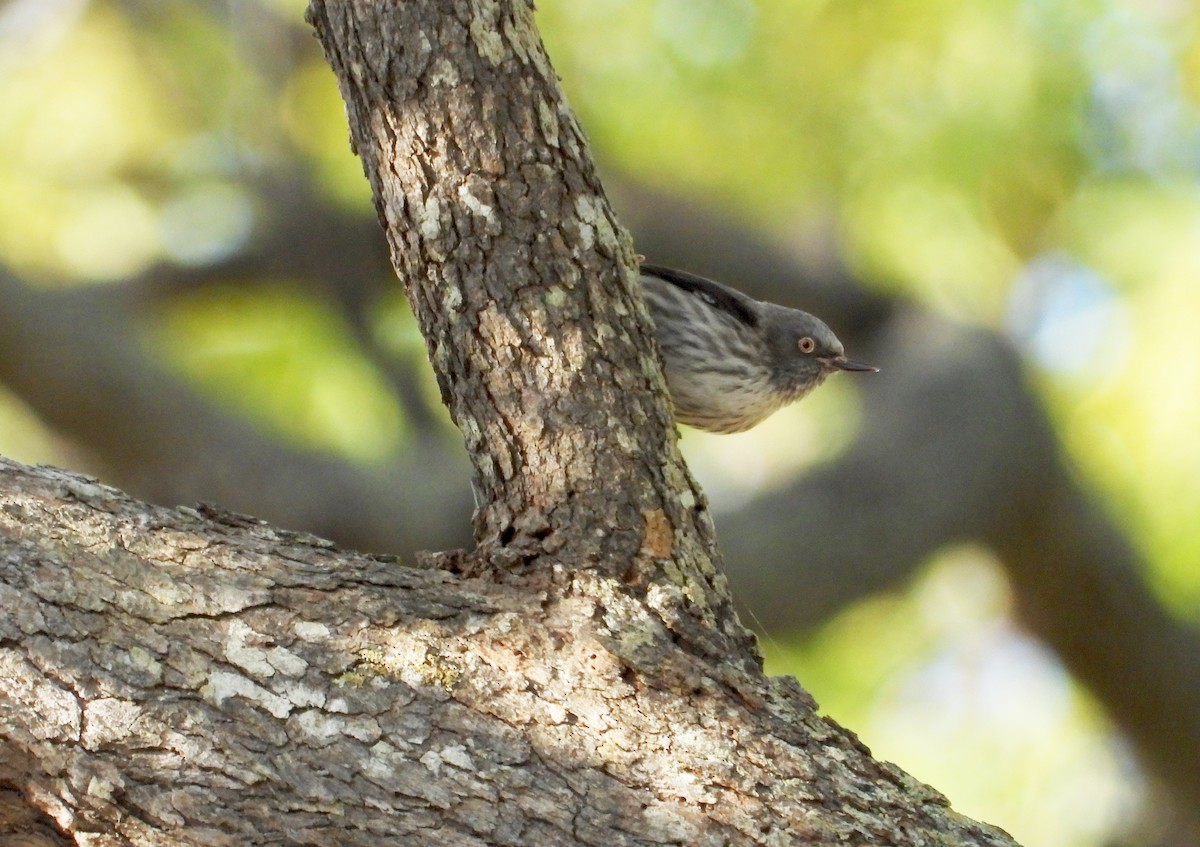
(211, 680)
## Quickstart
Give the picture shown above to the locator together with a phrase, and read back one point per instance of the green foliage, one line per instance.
(286, 360)
(75, 118)
(315, 120)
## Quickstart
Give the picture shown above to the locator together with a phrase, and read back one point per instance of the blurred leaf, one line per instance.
(940, 681)
(315, 119)
(287, 361)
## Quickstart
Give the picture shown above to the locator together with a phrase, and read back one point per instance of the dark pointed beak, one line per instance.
(841, 363)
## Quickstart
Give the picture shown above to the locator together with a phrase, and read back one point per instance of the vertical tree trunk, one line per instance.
(522, 281)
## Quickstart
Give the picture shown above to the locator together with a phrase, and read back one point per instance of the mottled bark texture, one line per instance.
(179, 678)
(514, 265)
(521, 280)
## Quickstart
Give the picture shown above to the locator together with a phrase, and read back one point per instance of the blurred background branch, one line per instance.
(994, 201)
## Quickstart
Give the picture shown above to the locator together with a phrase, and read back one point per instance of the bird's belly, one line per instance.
(720, 401)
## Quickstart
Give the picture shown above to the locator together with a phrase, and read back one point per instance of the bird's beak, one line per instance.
(841, 363)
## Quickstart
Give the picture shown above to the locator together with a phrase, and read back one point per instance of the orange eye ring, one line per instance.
(806, 345)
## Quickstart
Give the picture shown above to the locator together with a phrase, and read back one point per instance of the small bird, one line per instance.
(731, 360)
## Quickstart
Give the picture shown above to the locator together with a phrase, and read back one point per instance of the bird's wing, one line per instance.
(718, 296)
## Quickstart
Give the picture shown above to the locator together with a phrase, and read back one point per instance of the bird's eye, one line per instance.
(806, 345)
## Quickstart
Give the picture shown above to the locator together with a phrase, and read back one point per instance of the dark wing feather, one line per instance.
(726, 299)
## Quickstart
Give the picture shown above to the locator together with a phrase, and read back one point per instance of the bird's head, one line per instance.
(803, 349)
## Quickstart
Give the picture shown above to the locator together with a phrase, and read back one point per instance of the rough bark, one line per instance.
(176, 677)
(522, 282)
(510, 258)
(173, 677)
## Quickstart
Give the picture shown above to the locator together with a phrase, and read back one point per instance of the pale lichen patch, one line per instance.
(166, 592)
(595, 228)
(664, 824)
(311, 630)
(242, 654)
(485, 32)
(306, 695)
(378, 765)
(108, 720)
(57, 709)
(87, 490)
(145, 661)
(469, 427)
(286, 662)
(479, 208)
(585, 210)
(365, 729)
(432, 761)
(222, 685)
(452, 299)
(634, 634)
(522, 35)
(625, 439)
(574, 349)
(496, 328)
(555, 297)
(319, 727)
(429, 218)
(549, 122)
(412, 661)
(453, 754)
(101, 788)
